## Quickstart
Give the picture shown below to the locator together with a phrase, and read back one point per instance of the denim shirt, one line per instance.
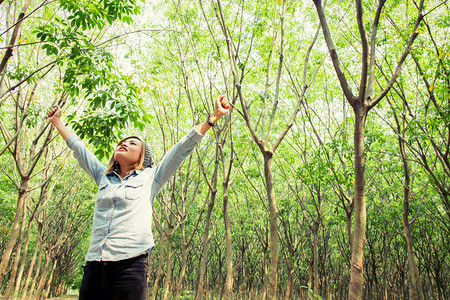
(122, 219)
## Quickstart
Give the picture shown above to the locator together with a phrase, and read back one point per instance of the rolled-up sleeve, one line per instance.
(85, 158)
(175, 157)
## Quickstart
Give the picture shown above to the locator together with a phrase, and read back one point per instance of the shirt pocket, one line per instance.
(134, 189)
(104, 191)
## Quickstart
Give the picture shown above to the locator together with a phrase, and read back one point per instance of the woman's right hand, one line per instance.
(54, 114)
(54, 117)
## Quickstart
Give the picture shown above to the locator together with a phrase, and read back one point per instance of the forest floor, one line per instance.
(66, 297)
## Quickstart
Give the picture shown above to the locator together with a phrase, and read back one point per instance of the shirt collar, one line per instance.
(133, 172)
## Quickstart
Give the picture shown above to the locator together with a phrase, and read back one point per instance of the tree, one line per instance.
(82, 58)
(238, 67)
(362, 103)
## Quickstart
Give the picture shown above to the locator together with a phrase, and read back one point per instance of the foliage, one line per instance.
(162, 79)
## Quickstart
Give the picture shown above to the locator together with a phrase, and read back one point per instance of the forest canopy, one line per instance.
(328, 178)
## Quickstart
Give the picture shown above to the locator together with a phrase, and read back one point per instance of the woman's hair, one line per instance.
(114, 166)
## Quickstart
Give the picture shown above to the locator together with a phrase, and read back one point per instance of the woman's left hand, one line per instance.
(221, 107)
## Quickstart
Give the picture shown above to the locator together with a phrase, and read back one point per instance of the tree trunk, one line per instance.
(49, 281)
(415, 284)
(41, 284)
(274, 257)
(159, 271)
(31, 268)
(348, 215)
(38, 270)
(23, 193)
(183, 263)
(23, 262)
(359, 232)
(291, 271)
(204, 260)
(12, 278)
(228, 286)
(316, 259)
(265, 271)
(243, 286)
(168, 264)
(310, 267)
(24, 258)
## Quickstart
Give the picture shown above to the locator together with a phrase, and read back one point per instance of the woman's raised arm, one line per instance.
(221, 108)
(54, 117)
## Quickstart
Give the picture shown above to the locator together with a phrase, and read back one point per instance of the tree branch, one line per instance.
(333, 54)
(408, 48)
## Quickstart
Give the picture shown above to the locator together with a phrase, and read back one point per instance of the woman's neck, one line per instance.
(125, 172)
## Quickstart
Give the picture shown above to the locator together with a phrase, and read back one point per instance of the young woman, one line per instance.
(121, 237)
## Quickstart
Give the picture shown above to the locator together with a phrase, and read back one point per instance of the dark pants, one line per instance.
(121, 280)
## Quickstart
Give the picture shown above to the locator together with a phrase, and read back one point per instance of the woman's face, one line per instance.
(128, 152)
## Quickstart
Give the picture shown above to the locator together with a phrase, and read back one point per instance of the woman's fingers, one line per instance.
(222, 102)
(52, 111)
(225, 103)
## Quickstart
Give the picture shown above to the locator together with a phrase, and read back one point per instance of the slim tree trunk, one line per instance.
(23, 192)
(24, 258)
(348, 216)
(359, 232)
(183, 263)
(15, 265)
(37, 270)
(316, 259)
(168, 264)
(229, 254)
(290, 277)
(204, 260)
(265, 272)
(243, 286)
(310, 279)
(49, 281)
(41, 284)
(415, 284)
(186, 241)
(273, 210)
(25, 251)
(31, 268)
(159, 270)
